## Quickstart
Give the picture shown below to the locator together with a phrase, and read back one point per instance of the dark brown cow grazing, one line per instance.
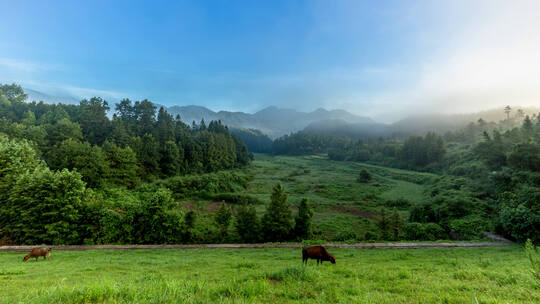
(318, 253)
(37, 252)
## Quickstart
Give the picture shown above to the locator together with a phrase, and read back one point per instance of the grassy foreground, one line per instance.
(457, 275)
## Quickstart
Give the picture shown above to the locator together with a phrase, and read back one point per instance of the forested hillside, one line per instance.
(490, 173)
(138, 143)
(60, 164)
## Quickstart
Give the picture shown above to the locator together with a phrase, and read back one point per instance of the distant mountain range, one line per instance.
(37, 96)
(276, 122)
(414, 125)
(272, 120)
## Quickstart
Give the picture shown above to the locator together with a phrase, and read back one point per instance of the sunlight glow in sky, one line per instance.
(382, 60)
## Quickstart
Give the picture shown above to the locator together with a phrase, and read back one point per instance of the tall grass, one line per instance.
(534, 258)
(272, 275)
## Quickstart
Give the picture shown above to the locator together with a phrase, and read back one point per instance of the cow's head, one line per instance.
(331, 258)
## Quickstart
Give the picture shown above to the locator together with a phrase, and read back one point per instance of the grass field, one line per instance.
(340, 203)
(457, 275)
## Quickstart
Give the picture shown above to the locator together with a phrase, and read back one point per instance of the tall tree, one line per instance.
(247, 224)
(277, 222)
(507, 111)
(223, 219)
(93, 119)
(302, 223)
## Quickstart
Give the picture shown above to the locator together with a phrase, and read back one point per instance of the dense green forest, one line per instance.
(74, 174)
(490, 174)
(60, 163)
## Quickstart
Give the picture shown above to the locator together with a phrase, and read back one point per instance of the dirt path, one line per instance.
(254, 246)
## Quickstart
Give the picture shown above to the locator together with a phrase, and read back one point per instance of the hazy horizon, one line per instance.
(386, 61)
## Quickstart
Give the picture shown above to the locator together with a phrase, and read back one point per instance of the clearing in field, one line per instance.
(458, 275)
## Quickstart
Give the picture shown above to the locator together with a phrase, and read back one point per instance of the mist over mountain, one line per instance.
(38, 96)
(276, 122)
(415, 124)
(272, 120)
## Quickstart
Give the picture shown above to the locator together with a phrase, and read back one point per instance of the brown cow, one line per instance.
(318, 253)
(37, 252)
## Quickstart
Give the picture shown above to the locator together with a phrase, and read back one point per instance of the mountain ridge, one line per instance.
(272, 120)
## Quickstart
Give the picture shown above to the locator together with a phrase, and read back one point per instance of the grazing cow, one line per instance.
(37, 252)
(318, 253)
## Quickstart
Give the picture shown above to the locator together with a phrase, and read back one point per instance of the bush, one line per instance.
(414, 231)
(205, 184)
(534, 258)
(434, 232)
(423, 232)
(469, 227)
(400, 203)
(364, 176)
(345, 235)
(520, 223)
(370, 236)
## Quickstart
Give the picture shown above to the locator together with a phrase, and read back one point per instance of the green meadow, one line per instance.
(443, 275)
(340, 203)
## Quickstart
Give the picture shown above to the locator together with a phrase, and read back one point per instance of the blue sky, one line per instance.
(380, 58)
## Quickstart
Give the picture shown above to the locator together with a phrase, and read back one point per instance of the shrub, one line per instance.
(414, 231)
(400, 203)
(468, 227)
(345, 235)
(434, 232)
(364, 176)
(423, 231)
(520, 223)
(205, 184)
(534, 258)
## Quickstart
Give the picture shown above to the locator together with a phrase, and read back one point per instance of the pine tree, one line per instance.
(277, 222)
(223, 219)
(395, 224)
(528, 127)
(302, 226)
(247, 224)
(383, 225)
(189, 223)
(364, 176)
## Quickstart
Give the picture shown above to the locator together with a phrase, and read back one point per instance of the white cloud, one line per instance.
(490, 61)
(29, 74)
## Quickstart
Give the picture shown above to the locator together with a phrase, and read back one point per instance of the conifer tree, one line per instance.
(302, 225)
(277, 222)
(247, 224)
(223, 219)
(395, 224)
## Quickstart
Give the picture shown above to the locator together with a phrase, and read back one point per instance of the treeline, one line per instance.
(138, 143)
(255, 140)
(413, 152)
(39, 205)
(493, 185)
(510, 178)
